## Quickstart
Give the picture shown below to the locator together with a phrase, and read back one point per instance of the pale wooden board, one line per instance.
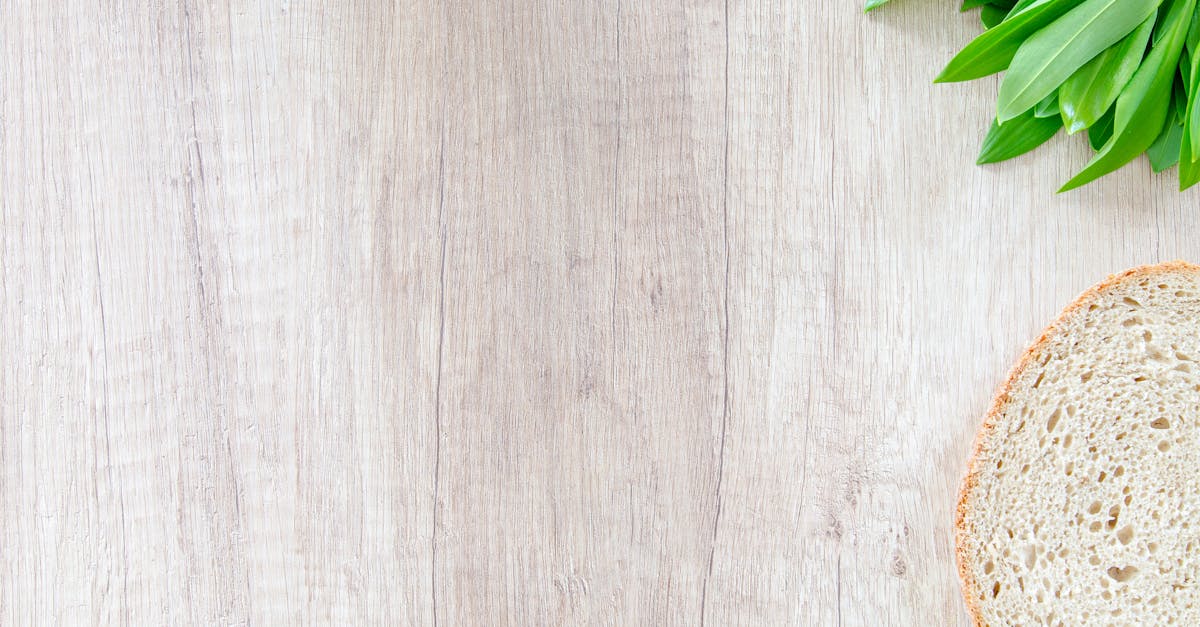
(595, 312)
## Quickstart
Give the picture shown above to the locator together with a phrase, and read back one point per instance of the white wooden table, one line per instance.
(529, 313)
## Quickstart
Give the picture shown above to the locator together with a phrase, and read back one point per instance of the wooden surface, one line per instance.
(531, 313)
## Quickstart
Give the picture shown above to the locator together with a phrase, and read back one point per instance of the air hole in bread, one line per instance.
(1160, 423)
(1164, 446)
(1131, 302)
(1122, 574)
(1052, 421)
(1125, 534)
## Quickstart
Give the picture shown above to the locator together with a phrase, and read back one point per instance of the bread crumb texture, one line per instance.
(1082, 502)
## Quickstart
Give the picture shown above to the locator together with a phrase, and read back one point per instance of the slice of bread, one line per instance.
(1081, 505)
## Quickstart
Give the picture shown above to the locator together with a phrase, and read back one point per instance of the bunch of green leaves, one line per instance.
(1122, 70)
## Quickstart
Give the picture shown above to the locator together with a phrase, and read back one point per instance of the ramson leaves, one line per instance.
(1120, 69)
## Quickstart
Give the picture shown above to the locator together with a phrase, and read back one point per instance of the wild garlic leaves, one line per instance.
(1120, 69)
(1053, 54)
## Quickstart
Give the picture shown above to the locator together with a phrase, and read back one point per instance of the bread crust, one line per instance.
(969, 588)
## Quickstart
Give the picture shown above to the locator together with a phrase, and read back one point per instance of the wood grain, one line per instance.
(512, 312)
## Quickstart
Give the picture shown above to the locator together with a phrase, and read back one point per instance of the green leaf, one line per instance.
(1021, 5)
(992, 15)
(874, 4)
(1159, 31)
(1048, 107)
(1099, 132)
(1193, 36)
(967, 5)
(1093, 89)
(1191, 116)
(1051, 55)
(1141, 109)
(1017, 137)
(1179, 100)
(1185, 68)
(1189, 167)
(992, 51)
(1164, 152)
